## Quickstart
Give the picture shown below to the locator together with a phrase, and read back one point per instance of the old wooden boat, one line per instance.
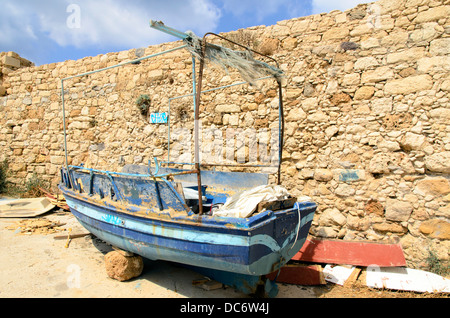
(164, 213)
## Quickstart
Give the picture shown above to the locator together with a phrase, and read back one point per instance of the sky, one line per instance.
(50, 31)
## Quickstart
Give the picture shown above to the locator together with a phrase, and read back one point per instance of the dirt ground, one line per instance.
(35, 265)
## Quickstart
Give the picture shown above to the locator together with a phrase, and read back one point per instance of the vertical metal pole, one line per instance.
(65, 133)
(196, 127)
(281, 129)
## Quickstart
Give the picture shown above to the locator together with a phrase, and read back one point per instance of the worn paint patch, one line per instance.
(113, 219)
(349, 175)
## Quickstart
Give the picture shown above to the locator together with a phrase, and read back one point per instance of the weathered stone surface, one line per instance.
(409, 85)
(435, 186)
(365, 92)
(332, 217)
(433, 64)
(438, 162)
(365, 63)
(440, 46)
(389, 228)
(228, 108)
(374, 207)
(406, 55)
(340, 98)
(323, 175)
(433, 14)
(122, 267)
(345, 190)
(436, 228)
(335, 33)
(413, 141)
(377, 75)
(397, 210)
(296, 115)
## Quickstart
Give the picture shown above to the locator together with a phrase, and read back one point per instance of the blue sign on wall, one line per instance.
(158, 118)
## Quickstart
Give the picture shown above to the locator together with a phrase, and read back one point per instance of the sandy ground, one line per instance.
(35, 265)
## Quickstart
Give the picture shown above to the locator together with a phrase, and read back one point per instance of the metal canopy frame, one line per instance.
(197, 85)
(197, 97)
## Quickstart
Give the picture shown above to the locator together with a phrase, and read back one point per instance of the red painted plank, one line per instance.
(351, 253)
(299, 275)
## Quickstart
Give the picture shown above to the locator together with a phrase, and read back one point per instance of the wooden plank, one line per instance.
(351, 253)
(299, 275)
(406, 279)
(341, 275)
(71, 236)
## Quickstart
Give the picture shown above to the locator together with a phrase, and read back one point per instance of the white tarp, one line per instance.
(242, 205)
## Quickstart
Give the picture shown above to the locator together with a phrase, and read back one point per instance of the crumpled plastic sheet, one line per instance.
(243, 204)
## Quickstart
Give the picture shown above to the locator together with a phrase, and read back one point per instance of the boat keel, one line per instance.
(258, 286)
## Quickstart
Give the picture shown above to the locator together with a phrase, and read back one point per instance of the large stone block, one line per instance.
(397, 210)
(408, 85)
(435, 186)
(9, 61)
(433, 14)
(440, 46)
(377, 75)
(436, 228)
(438, 162)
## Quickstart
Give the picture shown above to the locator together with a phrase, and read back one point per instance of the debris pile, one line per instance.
(348, 263)
(37, 226)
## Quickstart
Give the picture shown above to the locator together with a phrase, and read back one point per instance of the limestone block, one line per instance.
(377, 75)
(296, 114)
(413, 141)
(433, 14)
(440, 46)
(389, 227)
(426, 33)
(365, 92)
(331, 217)
(345, 190)
(435, 186)
(406, 55)
(438, 162)
(323, 175)
(436, 228)
(408, 85)
(433, 64)
(365, 63)
(381, 105)
(318, 116)
(397, 210)
(228, 108)
(9, 61)
(335, 33)
(441, 114)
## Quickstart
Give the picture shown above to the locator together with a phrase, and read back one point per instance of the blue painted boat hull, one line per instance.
(249, 247)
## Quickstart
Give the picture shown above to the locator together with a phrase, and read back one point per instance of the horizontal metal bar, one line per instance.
(109, 173)
(125, 63)
(220, 87)
(158, 25)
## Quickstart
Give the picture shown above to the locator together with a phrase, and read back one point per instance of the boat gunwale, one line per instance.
(252, 223)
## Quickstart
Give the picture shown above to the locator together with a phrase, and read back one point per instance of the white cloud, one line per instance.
(322, 6)
(102, 23)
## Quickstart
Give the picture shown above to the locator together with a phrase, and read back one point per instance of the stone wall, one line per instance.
(9, 62)
(366, 97)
